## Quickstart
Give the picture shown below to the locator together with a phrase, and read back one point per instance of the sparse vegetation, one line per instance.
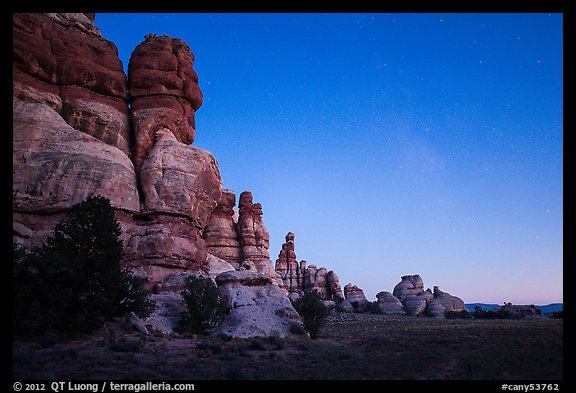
(353, 346)
(73, 283)
(464, 314)
(507, 311)
(312, 311)
(204, 309)
(374, 308)
(558, 314)
(124, 343)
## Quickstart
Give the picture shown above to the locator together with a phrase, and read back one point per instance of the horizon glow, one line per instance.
(390, 144)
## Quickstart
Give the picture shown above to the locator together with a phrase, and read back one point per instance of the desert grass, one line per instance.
(350, 346)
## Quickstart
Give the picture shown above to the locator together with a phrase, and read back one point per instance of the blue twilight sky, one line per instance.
(390, 144)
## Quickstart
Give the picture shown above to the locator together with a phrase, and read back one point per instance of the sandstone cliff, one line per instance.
(73, 137)
(82, 127)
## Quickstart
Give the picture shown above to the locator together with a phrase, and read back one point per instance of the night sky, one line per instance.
(390, 144)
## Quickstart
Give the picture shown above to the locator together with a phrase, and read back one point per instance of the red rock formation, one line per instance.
(241, 240)
(164, 92)
(254, 237)
(56, 166)
(72, 139)
(161, 246)
(180, 179)
(220, 233)
(61, 60)
(298, 279)
(289, 273)
(334, 286)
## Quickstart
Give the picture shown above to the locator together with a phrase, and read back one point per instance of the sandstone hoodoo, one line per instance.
(180, 180)
(290, 273)
(71, 135)
(254, 237)
(164, 92)
(355, 296)
(410, 285)
(415, 300)
(221, 234)
(242, 240)
(297, 278)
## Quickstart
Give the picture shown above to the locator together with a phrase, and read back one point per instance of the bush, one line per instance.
(74, 282)
(463, 314)
(374, 308)
(312, 311)
(204, 310)
(537, 311)
(480, 313)
(558, 314)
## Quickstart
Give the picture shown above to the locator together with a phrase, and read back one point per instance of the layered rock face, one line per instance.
(241, 240)
(220, 234)
(254, 237)
(70, 122)
(256, 306)
(289, 272)
(164, 92)
(48, 178)
(297, 278)
(61, 60)
(179, 179)
(72, 139)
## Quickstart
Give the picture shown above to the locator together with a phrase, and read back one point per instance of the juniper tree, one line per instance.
(74, 281)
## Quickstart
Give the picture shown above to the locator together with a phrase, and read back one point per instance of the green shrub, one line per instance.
(74, 282)
(204, 310)
(312, 311)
